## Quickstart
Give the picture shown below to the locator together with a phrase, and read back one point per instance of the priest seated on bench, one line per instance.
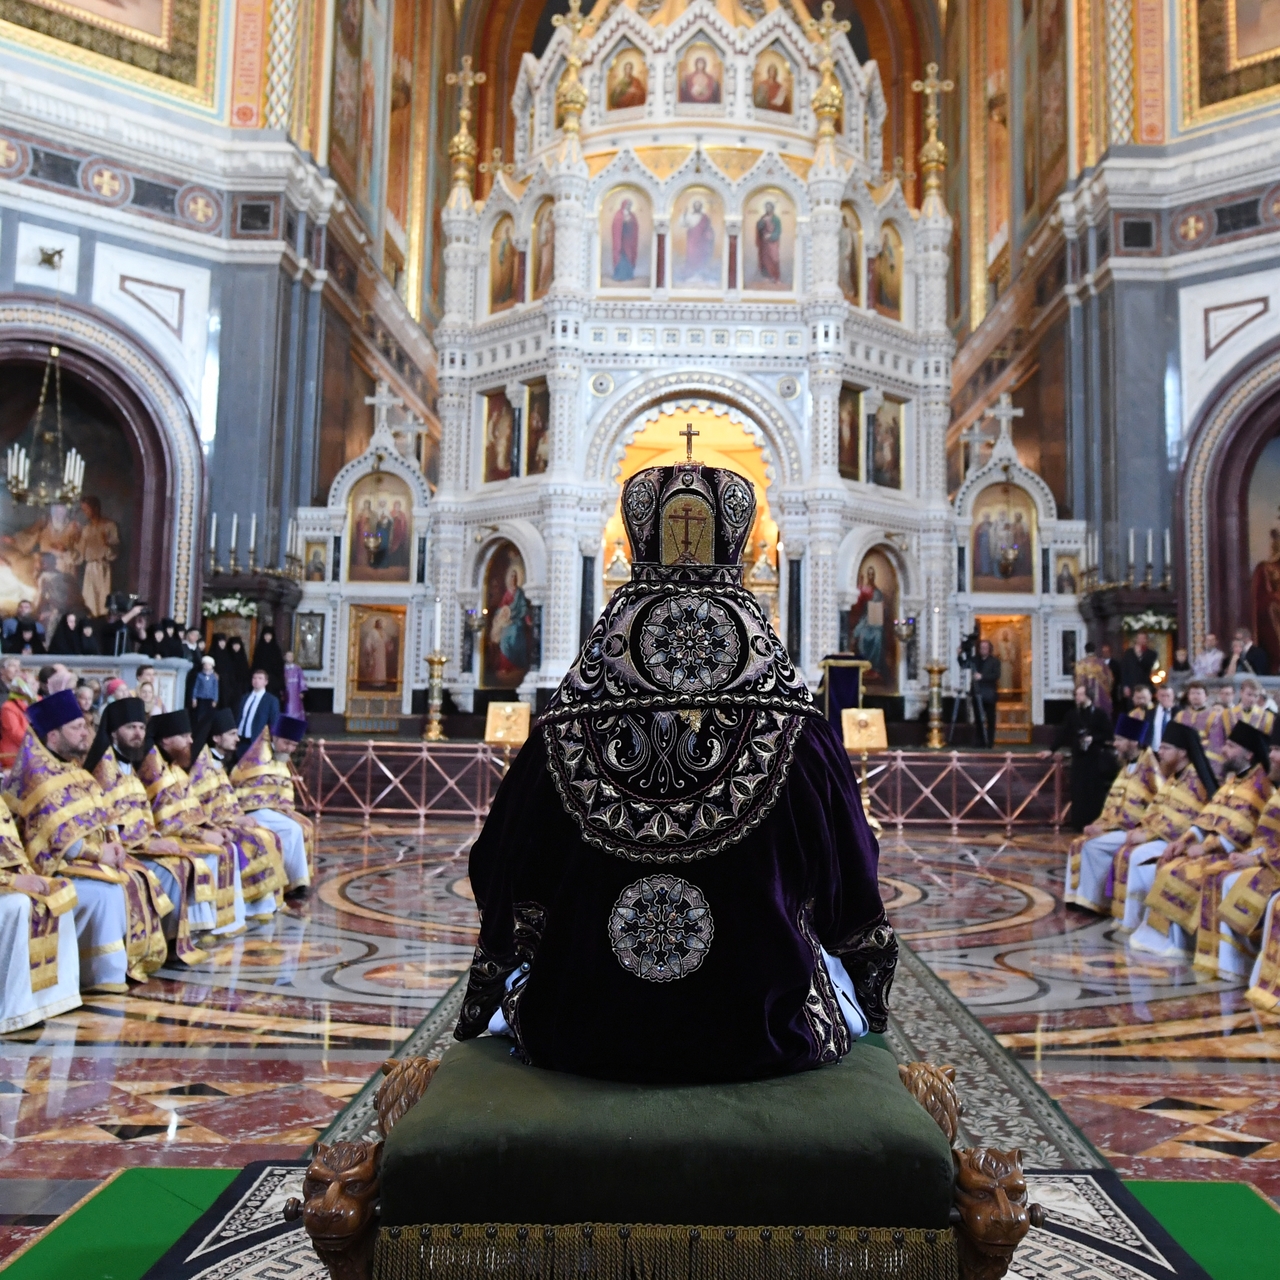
(676, 881)
(682, 946)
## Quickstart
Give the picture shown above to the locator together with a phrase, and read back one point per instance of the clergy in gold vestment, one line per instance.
(262, 874)
(1091, 857)
(264, 788)
(39, 962)
(1188, 873)
(178, 814)
(1188, 783)
(63, 823)
(1210, 722)
(117, 752)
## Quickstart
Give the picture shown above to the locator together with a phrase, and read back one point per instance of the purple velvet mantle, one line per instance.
(808, 869)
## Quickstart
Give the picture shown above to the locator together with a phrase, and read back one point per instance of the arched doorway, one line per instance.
(116, 539)
(1230, 505)
(724, 439)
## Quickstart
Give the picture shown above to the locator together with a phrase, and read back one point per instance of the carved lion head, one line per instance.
(340, 1191)
(991, 1195)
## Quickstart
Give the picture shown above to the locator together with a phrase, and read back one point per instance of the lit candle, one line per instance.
(937, 623)
(1168, 550)
(436, 628)
(213, 532)
(1151, 546)
(292, 549)
(253, 533)
(235, 532)
(1131, 547)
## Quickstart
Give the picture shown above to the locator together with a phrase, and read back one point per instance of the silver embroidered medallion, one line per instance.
(660, 928)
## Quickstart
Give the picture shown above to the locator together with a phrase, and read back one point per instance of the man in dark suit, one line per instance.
(1253, 657)
(257, 709)
(1136, 665)
(1086, 732)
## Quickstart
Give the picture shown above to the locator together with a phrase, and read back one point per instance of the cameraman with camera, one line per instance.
(978, 657)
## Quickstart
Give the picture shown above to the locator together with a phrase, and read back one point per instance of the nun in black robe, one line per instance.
(676, 881)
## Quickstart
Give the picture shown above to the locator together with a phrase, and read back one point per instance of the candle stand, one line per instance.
(935, 741)
(434, 732)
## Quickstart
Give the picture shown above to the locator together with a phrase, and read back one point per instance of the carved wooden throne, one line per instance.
(340, 1209)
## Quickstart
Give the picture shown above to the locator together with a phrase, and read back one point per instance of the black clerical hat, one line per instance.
(1253, 740)
(1184, 737)
(1130, 727)
(124, 711)
(172, 724)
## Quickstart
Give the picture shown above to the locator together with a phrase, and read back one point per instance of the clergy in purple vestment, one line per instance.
(676, 881)
(295, 685)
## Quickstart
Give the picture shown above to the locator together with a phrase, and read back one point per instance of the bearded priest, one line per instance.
(178, 814)
(65, 830)
(676, 881)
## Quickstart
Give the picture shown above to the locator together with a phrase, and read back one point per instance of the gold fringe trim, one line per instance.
(608, 1251)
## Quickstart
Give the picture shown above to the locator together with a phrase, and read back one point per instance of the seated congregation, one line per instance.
(135, 847)
(670, 1060)
(1186, 851)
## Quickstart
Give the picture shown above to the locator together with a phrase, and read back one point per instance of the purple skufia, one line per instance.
(806, 874)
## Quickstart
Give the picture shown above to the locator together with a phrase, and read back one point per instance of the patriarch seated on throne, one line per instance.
(668, 1062)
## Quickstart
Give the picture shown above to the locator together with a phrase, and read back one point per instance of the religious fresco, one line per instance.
(697, 240)
(850, 255)
(1003, 540)
(850, 411)
(884, 445)
(627, 83)
(884, 274)
(399, 124)
(308, 640)
(1233, 53)
(1010, 639)
(1052, 108)
(1264, 549)
(501, 437)
(134, 38)
(871, 618)
(626, 239)
(380, 520)
(69, 557)
(506, 282)
(543, 270)
(772, 83)
(372, 111)
(508, 649)
(769, 238)
(995, 74)
(315, 560)
(1066, 575)
(538, 449)
(1253, 32)
(700, 76)
(376, 650)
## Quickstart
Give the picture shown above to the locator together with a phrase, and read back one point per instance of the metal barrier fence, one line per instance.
(967, 789)
(417, 780)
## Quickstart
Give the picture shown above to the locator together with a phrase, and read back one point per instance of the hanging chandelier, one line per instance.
(52, 472)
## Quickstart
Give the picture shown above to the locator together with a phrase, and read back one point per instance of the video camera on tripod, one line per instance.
(969, 662)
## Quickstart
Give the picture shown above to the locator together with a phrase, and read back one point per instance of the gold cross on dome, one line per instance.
(466, 78)
(575, 22)
(826, 27)
(106, 183)
(932, 88)
(688, 433)
(495, 166)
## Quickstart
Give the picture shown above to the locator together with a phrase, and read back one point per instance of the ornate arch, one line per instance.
(1235, 424)
(525, 536)
(618, 414)
(157, 420)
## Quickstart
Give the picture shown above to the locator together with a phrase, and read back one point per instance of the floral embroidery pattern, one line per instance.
(660, 928)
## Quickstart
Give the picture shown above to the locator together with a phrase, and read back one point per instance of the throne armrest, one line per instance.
(991, 1214)
(339, 1205)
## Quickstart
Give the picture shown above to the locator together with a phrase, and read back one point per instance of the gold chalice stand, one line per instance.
(864, 731)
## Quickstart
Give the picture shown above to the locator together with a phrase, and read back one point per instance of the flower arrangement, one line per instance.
(221, 606)
(1149, 621)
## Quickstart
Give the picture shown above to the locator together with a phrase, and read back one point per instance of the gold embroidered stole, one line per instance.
(58, 898)
(264, 872)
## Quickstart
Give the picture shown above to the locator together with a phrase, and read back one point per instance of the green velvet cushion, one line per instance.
(495, 1141)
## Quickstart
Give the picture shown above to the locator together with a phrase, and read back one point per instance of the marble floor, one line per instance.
(251, 1055)
(1169, 1073)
